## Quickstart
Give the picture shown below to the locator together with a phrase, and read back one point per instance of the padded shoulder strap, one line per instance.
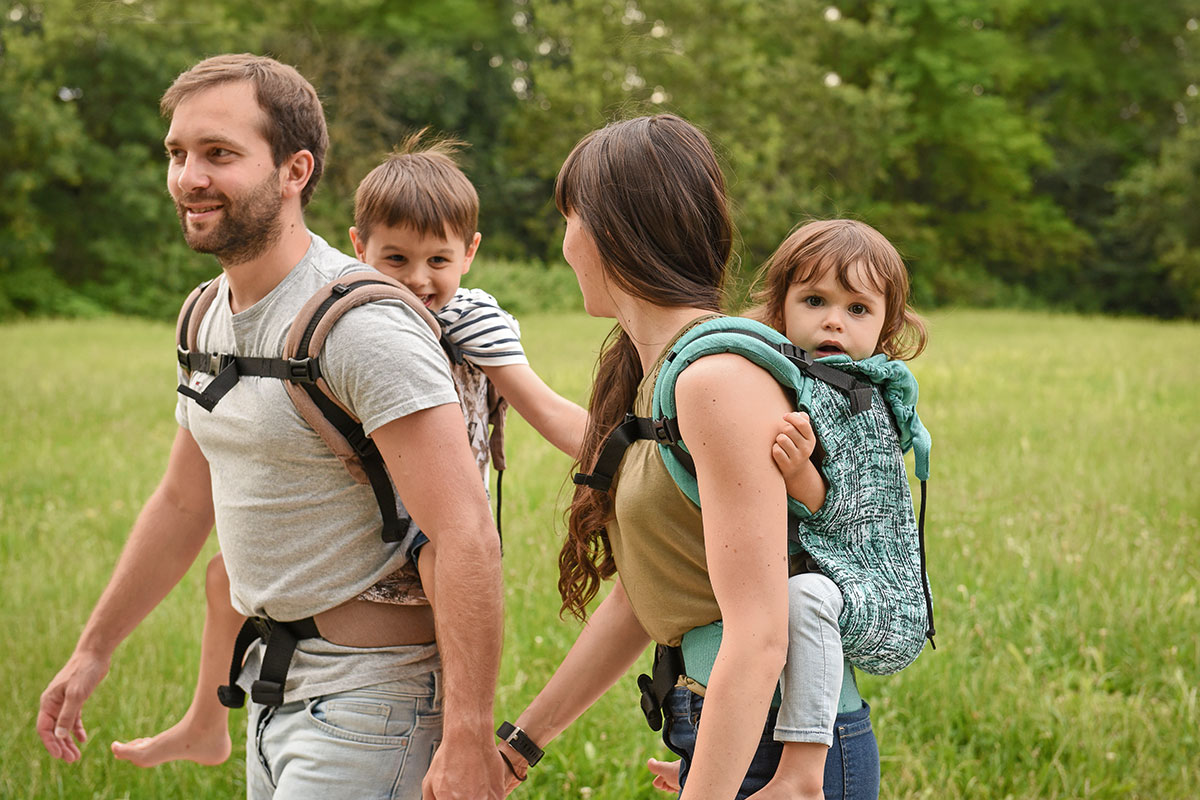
(792, 367)
(191, 314)
(307, 336)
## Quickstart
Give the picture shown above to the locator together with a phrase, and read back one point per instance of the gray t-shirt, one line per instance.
(298, 533)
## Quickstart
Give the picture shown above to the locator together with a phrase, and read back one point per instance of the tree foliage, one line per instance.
(1034, 151)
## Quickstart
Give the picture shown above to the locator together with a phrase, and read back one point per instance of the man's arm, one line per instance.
(166, 538)
(430, 461)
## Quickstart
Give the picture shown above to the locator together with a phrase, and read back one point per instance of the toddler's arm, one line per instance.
(555, 417)
(792, 452)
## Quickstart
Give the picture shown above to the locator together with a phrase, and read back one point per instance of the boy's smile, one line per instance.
(431, 266)
(827, 319)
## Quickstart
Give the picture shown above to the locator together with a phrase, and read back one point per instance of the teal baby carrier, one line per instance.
(865, 537)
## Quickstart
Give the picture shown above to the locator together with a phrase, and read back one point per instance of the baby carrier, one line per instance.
(300, 369)
(864, 537)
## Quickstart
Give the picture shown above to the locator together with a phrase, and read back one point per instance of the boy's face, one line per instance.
(431, 266)
(824, 318)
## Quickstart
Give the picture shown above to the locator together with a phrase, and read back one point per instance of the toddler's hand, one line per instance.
(795, 442)
(666, 774)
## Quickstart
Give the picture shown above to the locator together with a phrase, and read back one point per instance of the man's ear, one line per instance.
(358, 243)
(295, 171)
(472, 249)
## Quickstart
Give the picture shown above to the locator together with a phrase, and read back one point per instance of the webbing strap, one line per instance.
(281, 639)
(930, 632)
(668, 666)
(394, 526)
(232, 695)
(663, 431)
(229, 369)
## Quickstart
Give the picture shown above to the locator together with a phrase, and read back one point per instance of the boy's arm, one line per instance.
(431, 464)
(556, 418)
(792, 452)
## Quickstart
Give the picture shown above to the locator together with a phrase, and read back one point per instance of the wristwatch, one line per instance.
(519, 740)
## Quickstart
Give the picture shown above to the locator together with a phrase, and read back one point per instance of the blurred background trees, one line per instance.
(1019, 152)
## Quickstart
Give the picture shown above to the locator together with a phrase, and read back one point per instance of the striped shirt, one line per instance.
(487, 335)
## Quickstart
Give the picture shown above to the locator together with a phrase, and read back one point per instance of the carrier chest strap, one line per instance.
(632, 429)
(281, 639)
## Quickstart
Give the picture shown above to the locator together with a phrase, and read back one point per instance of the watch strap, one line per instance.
(519, 740)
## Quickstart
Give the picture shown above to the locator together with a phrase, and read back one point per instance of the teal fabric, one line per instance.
(700, 646)
(865, 536)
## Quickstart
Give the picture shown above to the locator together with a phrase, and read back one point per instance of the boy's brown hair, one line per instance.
(419, 186)
(293, 117)
(837, 245)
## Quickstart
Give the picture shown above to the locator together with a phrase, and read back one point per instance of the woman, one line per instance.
(649, 236)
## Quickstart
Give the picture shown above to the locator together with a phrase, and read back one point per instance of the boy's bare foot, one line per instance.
(778, 790)
(181, 742)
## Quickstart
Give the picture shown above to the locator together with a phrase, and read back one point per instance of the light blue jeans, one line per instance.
(373, 743)
(811, 683)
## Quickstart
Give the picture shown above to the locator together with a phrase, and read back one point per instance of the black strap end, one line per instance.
(593, 480)
(231, 696)
(267, 693)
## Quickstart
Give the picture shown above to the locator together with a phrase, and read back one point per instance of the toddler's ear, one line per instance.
(357, 244)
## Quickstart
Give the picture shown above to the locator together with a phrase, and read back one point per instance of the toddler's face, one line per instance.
(431, 266)
(824, 318)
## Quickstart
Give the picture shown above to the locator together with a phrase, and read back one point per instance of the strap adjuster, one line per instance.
(267, 693)
(801, 357)
(302, 370)
(666, 430)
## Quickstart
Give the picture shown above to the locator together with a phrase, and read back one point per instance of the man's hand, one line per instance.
(59, 716)
(465, 773)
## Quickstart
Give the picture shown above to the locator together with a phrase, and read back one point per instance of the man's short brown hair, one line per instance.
(419, 186)
(294, 120)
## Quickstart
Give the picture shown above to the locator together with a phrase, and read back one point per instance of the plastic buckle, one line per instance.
(302, 370)
(793, 353)
(666, 430)
(267, 693)
(361, 443)
(231, 696)
(652, 710)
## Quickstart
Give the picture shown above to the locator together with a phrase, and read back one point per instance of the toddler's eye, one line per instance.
(858, 309)
(813, 300)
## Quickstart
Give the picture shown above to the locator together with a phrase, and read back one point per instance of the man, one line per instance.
(300, 537)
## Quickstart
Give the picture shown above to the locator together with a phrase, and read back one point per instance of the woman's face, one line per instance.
(580, 251)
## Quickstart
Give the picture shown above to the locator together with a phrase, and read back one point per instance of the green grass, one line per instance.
(1063, 542)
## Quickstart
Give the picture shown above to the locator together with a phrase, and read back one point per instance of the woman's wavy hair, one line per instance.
(650, 192)
(837, 245)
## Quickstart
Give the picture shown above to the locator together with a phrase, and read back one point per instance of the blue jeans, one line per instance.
(372, 743)
(851, 767)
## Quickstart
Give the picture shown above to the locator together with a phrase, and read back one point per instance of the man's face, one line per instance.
(220, 173)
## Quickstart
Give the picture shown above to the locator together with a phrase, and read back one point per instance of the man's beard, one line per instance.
(249, 225)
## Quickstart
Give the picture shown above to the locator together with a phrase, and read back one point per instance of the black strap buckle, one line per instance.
(666, 430)
(302, 370)
(267, 693)
(802, 358)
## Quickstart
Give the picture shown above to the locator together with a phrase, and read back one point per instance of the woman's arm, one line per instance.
(608, 646)
(556, 418)
(728, 414)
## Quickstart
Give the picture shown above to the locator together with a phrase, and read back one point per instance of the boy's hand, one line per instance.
(666, 774)
(794, 444)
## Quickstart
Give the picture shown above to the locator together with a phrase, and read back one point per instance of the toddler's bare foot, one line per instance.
(779, 789)
(184, 741)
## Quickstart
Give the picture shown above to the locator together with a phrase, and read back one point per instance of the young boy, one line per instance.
(415, 220)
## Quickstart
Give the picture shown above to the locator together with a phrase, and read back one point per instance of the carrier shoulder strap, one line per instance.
(789, 365)
(299, 369)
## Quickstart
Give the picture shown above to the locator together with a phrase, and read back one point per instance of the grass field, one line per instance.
(1064, 553)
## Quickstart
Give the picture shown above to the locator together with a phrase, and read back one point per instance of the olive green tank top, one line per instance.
(657, 536)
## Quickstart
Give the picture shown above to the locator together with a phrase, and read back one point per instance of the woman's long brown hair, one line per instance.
(650, 193)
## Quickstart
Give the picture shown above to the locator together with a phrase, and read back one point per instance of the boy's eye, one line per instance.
(439, 261)
(395, 259)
